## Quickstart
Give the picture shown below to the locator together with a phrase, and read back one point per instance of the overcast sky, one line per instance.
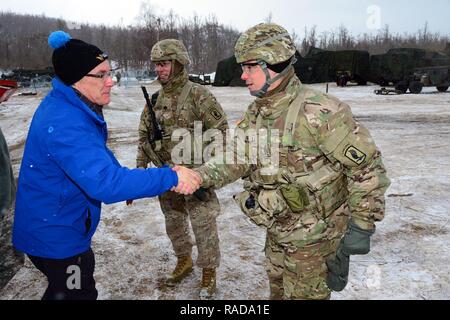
(359, 16)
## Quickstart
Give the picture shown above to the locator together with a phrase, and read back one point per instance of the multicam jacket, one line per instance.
(172, 114)
(327, 161)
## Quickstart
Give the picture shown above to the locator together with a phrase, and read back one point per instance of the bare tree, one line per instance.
(269, 18)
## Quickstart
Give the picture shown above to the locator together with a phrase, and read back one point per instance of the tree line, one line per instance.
(377, 43)
(23, 39)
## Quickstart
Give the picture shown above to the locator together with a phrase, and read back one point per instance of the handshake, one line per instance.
(188, 180)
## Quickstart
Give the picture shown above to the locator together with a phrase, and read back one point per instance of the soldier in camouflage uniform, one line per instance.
(179, 104)
(320, 202)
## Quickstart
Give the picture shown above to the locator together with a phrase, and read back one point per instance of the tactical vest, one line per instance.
(172, 115)
(305, 183)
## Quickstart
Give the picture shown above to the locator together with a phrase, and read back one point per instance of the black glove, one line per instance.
(250, 202)
(355, 241)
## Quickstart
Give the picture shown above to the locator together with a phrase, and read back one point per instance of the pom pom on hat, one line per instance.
(59, 38)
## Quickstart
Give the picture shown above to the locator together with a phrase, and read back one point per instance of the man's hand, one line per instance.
(355, 241)
(188, 180)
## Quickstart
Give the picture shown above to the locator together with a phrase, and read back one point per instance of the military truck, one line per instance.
(398, 66)
(341, 66)
(438, 77)
(228, 73)
(317, 66)
(434, 76)
(200, 79)
(352, 66)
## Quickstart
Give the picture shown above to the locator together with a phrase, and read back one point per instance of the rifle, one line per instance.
(157, 133)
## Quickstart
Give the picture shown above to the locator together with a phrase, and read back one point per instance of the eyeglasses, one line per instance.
(101, 75)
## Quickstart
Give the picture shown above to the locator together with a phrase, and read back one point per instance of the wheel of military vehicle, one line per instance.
(402, 86)
(442, 89)
(415, 87)
(341, 81)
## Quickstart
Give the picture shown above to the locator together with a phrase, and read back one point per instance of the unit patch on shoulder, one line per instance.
(215, 113)
(355, 155)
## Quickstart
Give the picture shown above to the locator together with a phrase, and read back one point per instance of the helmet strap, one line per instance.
(269, 81)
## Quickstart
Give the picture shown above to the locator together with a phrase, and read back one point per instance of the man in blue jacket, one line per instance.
(67, 171)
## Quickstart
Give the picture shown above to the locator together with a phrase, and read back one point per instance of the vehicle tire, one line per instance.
(402, 86)
(415, 87)
(341, 81)
(442, 88)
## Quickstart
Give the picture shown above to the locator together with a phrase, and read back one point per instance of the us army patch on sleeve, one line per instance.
(216, 114)
(355, 155)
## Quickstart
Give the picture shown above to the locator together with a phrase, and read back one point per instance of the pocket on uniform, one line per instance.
(256, 214)
(328, 188)
(272, 201)
(295, 196)
(322, 177)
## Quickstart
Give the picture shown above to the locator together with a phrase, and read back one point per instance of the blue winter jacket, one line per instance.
(67, 171)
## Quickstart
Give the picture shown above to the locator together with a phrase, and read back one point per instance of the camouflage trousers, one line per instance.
(202, 214)
(300, 272)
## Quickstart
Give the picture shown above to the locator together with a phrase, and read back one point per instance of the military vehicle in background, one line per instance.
(438, 77)
(435, 76)
(352, 66)
(404, 68)
(315, 66)
(341, 66)
(203, 79)
(410, 69)
(228, 73)
(27, 78)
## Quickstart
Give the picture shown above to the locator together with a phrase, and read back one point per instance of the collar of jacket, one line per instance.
(67, 92)
(178, 81)
(273, 105)
(98, 109)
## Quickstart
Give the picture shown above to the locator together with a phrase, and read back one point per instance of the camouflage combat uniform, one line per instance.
(171, 113)
(329, 169)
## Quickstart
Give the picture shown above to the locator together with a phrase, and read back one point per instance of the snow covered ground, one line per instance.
(410, 254)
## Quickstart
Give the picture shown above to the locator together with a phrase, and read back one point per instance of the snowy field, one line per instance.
(410, 255)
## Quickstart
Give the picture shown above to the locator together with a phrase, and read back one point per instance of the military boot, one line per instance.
(208, 284)
(182, 269)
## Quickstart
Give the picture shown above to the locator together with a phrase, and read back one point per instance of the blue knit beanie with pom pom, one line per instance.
(73, 58)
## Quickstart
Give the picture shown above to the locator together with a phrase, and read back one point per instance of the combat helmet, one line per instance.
(170, 49)
(269, 44)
